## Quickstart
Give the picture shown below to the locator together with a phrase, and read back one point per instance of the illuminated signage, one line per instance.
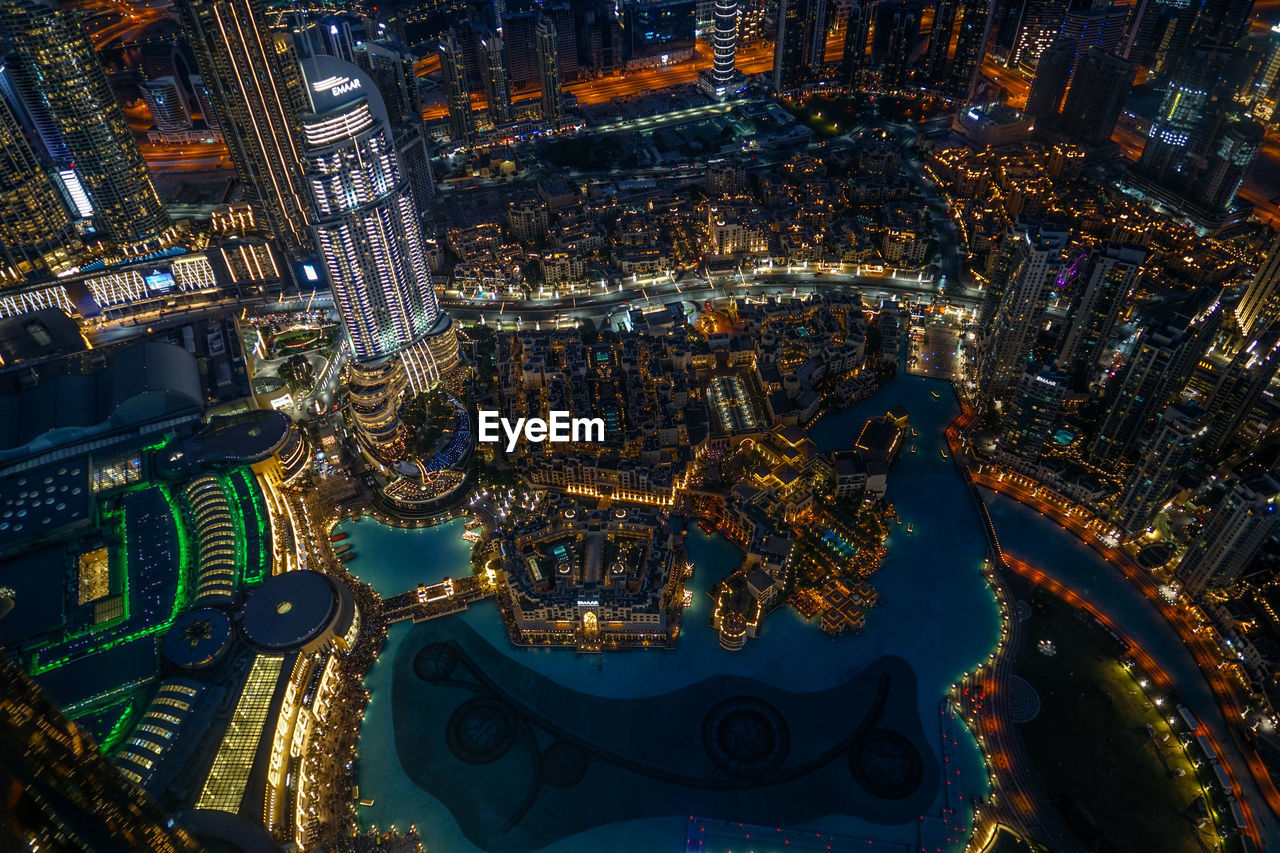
(336, 85)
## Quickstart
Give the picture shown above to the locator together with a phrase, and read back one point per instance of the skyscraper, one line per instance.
(462, 124)
(1158, 369)
(971, 46)
(366, 225)
(800, 31)
(1231, 156)
(1099, 86)
(254, 85)
(71, 84)
(493, 71)
(1233, 536)
(1033, 414)
(1039, 22)
(1196, 98)
(724, 77)
(1105, 278)
(1242, 384)
(1260, 305)
(167, 104)
(897, 29)
(854, 54)
(36, 234)
(61, 793)
(936, 69)
(1151, 483)
(1050, 84)
(549, 73)
(1034, 255)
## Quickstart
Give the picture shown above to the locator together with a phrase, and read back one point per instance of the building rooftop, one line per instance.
(290, 610)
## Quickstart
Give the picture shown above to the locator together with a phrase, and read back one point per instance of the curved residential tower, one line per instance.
(366, 228)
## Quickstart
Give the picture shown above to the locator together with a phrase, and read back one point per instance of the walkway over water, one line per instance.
(439, 599)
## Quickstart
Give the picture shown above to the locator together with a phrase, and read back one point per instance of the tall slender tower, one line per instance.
(1152, 481)
(1157, 371)
(54, 49)
(253, 82)
(1052, 73)
(1260, 305)
(462, 124)
(800, 44)
(936, 67)
(493, 70)
(61, 793)
(366, 224)
(1035, 266)
(1107, 275)
(724, 77)
(1235, 533)
(1242, 384)
(1099, 86)
(971, 45)
(897, 29)
(857, 33)
(36, 234)
(549, 73)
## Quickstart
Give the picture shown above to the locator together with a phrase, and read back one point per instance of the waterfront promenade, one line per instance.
(1165, 641)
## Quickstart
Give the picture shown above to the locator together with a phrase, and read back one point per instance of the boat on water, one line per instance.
(910, 527)
(913, 448)
(944, 454)
(343, 548)
(366, 803)
(347, 557)
(338, 537)
(936, 395)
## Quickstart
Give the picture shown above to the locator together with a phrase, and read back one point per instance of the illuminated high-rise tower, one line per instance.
(936, 61)
(1260, 305)
(800, 44)
(549, 73)
(1196, 98)
(253, 82)
(1104, 279)
(1033, 413)
(61, 793)
(366, 226)
(1099, 86)
(1157, 371)
(723, 77)
(1242, 384)
(1030, 268)
(462, 124)
(1150, 484)
(72, 86)
(36, 234)
(1238, 528)
(493, 70)
(971, 45)
(853, 57)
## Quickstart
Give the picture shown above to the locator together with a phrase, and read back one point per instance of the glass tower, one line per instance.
(56, 57)
(366, 224)
(253, 84)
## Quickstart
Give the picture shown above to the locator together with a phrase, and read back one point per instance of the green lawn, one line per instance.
(1090, 746)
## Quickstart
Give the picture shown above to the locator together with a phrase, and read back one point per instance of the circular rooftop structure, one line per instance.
(297, 610)
(197, 638)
